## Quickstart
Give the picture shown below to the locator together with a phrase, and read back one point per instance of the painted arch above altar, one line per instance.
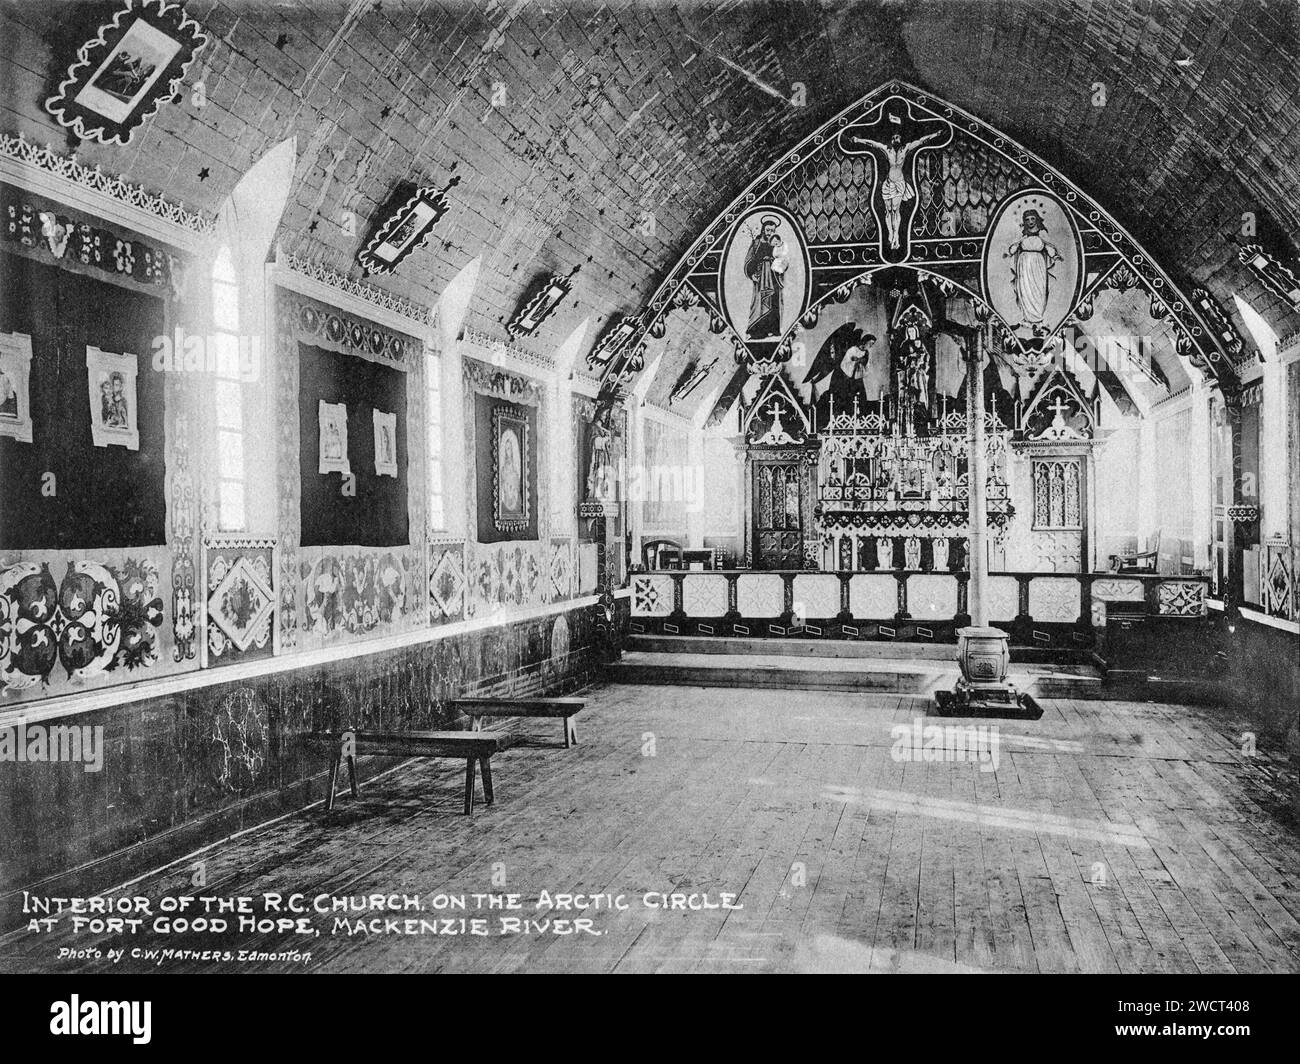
(904, 179)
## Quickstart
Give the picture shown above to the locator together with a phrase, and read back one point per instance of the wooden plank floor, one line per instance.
(1112, 837)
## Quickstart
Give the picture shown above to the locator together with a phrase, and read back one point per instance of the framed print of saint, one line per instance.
(15, 386)
(333, 424)
(385, 444)
(114, 414)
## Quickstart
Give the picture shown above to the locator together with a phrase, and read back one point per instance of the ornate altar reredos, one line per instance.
(852, 278)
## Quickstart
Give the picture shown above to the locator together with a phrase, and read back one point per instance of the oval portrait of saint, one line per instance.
(763, 283)
(1033, 263)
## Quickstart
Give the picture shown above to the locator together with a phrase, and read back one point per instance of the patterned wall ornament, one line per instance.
(1228, 337)
(123, 74)
(1181, 598)
(404, 230)
(48, 161)
(239, 585)
(356, 593)
(321, 326)
(34, 222)
(94, 620)
(287, 462)
(550, 293)
(1280, 279)
(447, 585)
(182, 508)
(1276, 581)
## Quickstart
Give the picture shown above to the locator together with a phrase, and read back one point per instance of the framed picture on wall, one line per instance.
(385, 444)
(15, 386)
(403, 231)
(114, 415)
(122, 75)
(510, 462)
(332, 419)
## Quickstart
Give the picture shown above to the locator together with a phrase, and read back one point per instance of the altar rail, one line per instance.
(1046, 609)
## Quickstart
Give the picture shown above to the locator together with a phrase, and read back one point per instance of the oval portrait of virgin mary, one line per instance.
(511, 472)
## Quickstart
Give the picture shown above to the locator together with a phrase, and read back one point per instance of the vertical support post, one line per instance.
(978, 481)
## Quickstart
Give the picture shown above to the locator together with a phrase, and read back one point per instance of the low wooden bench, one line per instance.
(565, 708)
(475, 747)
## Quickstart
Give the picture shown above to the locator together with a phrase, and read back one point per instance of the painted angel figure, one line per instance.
(842, 360)
(1032, 258)
(895, 190)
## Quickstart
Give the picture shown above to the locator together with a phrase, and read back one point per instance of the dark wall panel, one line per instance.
(376, 516)
(103, 496)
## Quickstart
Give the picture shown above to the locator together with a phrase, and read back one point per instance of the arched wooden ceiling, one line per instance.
(615, 111)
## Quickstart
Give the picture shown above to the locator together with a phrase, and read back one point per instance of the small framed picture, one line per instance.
(15, 386)
(113, 412)
(403, 231)
(540, 307)
(123, 74)
(510, 461)
(333, 424)
(385, 444)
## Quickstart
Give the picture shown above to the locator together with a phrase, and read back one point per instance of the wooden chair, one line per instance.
(652, 552)
(1145, 562)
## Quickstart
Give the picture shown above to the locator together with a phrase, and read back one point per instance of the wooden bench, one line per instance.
(565, 708)
(475, 747)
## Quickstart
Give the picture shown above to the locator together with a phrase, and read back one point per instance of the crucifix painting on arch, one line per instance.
(944, 351)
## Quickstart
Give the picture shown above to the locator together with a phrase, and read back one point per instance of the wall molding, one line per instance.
(356, 297)
(60, 177)
(508, 354)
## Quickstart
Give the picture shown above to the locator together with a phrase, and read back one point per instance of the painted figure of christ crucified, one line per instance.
(896, 189)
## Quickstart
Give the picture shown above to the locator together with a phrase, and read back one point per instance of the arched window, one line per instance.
(229, 396)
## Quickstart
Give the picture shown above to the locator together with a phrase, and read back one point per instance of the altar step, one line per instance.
(800, 648)
(788, 664)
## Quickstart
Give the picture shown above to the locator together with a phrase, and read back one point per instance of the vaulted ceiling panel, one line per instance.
(625, 128)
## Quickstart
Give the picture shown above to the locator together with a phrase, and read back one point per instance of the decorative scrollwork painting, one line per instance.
(127, 70)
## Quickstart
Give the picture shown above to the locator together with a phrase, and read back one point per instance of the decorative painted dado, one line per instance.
(1276, 580)
(240, 599)
(447, 582)
(355, 591)
(96, 619)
